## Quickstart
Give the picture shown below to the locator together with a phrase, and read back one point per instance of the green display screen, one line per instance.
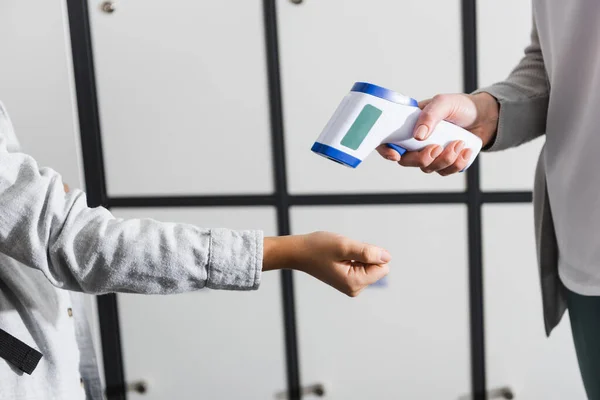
(361, 127)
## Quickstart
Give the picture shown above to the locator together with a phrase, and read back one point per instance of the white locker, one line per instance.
(405, 339)
(518, 354)
(326, 46)
(36, 83)
(499, 51)
(206, 344)
(182, 89)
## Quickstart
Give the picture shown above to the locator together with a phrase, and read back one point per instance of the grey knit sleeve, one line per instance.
(523, 99)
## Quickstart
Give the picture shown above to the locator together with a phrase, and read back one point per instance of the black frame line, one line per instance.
(281, 194)
(474, 202)
(317, 199)
(95, 181)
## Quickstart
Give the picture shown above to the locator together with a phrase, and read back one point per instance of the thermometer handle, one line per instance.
(444, 134)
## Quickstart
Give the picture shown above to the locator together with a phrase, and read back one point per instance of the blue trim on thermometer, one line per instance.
(335, 155)
(383, 93)
(400, 150)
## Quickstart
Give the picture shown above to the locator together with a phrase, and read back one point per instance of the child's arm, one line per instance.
(87, 249)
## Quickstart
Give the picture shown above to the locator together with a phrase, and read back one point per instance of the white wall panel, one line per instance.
(36, 83)
(183, 97)
(405, 339)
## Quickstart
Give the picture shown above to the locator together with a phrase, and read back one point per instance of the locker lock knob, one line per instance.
(108, 7)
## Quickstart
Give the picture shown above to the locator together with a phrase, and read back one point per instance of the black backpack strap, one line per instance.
(18, 353)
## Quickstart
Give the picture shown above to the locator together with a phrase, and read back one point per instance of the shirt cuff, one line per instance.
(235, 259)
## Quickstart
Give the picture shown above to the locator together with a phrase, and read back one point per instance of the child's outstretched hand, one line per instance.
(347, 265)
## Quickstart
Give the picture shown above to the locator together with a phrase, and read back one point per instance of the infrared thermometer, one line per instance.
(371, 115)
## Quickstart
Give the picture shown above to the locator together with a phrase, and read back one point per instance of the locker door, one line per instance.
(499, 51)
(207, 344)
(519, 355)
(36, 83)
(407, 338)
(411, 47)
(183, 97)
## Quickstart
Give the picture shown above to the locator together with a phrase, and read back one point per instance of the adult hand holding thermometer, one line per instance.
(370, 116)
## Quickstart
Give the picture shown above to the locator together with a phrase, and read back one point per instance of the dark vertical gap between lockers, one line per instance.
(281, 194)
(474, 204)
(95, 183)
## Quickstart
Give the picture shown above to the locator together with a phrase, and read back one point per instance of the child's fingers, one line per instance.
(376, 272)
(366, 253)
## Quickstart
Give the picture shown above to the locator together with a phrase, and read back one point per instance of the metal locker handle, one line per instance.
(140, 387)
(108, 6)
(493, 394)
(318, 390)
